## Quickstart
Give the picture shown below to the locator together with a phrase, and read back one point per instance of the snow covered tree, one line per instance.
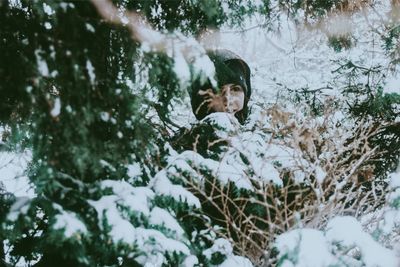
(84, 90)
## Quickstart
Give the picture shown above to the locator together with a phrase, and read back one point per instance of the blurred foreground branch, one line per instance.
(143, 32)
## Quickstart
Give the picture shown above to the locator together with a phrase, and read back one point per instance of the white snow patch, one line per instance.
(320, 174)
(134, 170)
(347, 231)
(20, 206)
(224, 120)
(105, 116)
(220, 245)
(224, 247)
(56, 110)
(12, 173)
(121, 229)
(190, 261)
(162, 217)
(182, 70)
(47, 9)
(155, 244)
(394, 179)
(69, 222)
(90, 68)
(136, 198)
(89, 27)
(47, 25)
(236, 261)
(42, 64)
(308, 246)
(163, 186)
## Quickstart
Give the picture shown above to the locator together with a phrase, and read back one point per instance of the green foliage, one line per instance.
(369, 102)
(339, 43)
(392, 36)
(314, 8)
(70, 93)
(201, 138)
(190, 17)
(17, 54)
(381, 106)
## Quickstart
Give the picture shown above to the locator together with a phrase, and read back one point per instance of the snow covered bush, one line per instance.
(280, 171)
(344, 242)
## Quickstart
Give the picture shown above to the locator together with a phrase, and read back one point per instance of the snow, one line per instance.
(162, 217)
(65, 6)
(47, 9)
(47, 25)
(105, 116)
(182, 70)
(393, 84)
(69, 222)
(391, 221)
(134, 170)
(20, 206)
(163, 186)
(236, 261)
(56, 110)
(190, 261)
(15, 3)
(220, 245)
(224, 247)
(333, 247)
(308, 248)
(91, 73)
(348, 232)
(225, 121)
(155, 244)
(320, 174)
(106, 164)
(223, 170)
(89, 27)
(152, 242)
(136, 198)
(121, 229)
(42, 64)
(12, 173)
(295, 57)
(394, 179)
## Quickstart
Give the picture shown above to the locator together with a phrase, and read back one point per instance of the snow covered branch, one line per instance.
(185, 50)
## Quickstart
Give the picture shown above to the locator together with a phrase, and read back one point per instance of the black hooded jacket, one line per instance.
(230, 68)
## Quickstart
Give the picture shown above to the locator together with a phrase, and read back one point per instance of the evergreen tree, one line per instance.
(70, 89)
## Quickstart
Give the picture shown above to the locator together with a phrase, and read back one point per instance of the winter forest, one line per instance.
(200, 133)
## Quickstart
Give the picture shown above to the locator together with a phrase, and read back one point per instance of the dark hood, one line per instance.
(230, 68)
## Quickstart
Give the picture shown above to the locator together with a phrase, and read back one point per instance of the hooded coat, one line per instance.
(229, 68)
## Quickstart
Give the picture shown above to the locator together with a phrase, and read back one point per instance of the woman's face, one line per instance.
(233, 96)
(230, 99)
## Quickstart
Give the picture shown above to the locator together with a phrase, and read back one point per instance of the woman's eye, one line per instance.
(237, 88)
